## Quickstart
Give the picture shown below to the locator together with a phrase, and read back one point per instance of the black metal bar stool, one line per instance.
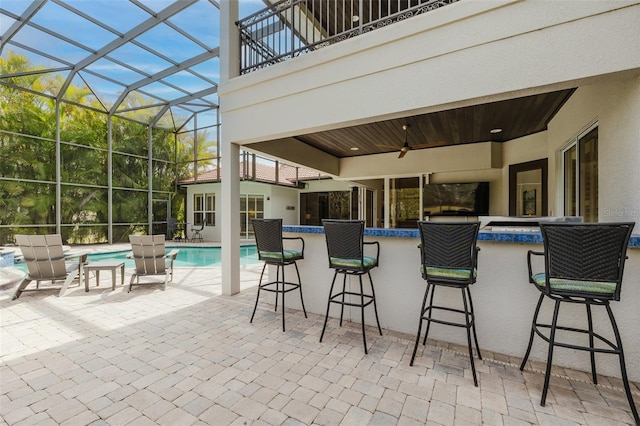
(345, 246)
(269, 242)
(583, 263)
(196, 232)
(449, 259)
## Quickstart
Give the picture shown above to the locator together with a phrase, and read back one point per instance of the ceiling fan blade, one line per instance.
(403, 153)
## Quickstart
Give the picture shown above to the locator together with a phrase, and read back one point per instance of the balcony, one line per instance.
(291, 28)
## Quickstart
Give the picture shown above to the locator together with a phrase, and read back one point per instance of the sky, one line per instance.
(105, 21)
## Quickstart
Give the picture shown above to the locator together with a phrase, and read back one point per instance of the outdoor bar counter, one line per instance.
(503, 298)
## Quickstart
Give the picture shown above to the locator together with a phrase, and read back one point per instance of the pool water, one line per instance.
(188, 257)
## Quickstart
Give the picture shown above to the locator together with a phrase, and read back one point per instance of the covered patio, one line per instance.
(189, 356)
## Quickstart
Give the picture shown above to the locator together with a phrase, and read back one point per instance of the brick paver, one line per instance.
(189, 355)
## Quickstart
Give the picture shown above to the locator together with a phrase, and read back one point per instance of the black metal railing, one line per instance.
(290, 28)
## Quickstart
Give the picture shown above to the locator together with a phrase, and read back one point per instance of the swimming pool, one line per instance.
(188, 257)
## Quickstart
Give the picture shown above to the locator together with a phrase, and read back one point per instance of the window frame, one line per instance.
(535, 165)
(246, 216)
(574, 144)
(206, 210)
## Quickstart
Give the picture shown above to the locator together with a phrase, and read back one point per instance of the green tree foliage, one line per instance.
(203, 149)
(28, 158)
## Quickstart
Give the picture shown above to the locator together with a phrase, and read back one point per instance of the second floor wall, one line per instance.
(465, 54)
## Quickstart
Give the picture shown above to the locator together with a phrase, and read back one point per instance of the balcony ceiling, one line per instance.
(516, 117)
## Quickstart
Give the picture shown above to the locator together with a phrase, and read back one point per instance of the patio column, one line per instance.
(387, 203)
(230, 161)
(230, 223)
(229, 41)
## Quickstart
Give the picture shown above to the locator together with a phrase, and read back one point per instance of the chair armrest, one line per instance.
(81, 255)
(529, 254)
(377, 244)
(475, 256)
(172, 254)
(296, 238)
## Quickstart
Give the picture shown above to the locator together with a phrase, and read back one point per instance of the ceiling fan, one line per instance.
(406, 147)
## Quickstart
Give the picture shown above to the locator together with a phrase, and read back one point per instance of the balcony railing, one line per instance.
(290, 28)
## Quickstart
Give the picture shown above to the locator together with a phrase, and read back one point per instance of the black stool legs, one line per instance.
(623, 368)
(339, 298)
(277, 283)
(616, 348)
(469, 323)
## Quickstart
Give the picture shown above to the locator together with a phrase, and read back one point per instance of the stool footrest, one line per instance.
(349, 293)
(614, 349)
(267, 286)
(469, 316)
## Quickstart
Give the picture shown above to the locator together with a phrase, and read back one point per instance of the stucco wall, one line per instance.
(615, 106)
(275, 206)
(461, 54)
(280, 205)
(210, 232)
(503, 301)
(326, 185)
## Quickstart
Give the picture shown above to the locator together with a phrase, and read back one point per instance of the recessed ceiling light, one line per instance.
(354, 148)
(496, 130)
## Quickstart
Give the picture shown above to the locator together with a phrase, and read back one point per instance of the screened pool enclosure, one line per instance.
(104, 107)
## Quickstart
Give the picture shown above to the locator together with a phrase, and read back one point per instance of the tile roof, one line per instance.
(263, 173)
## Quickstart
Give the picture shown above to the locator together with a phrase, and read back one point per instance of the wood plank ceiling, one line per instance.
(516, 117)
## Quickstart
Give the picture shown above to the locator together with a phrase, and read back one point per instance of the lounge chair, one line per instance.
(148, 252)
(46, 261)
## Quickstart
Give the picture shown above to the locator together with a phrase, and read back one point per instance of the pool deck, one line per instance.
(189, 355)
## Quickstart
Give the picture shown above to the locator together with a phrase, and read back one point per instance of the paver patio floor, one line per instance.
(190, 356)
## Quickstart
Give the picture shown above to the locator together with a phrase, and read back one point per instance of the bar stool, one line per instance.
(449, 259)
(583, 264)
(269, 242)
(345, 247)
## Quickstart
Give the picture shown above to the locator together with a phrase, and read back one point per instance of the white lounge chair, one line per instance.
(46, 261)
(149, 254)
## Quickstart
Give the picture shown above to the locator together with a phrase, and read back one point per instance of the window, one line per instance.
(315, 206)
(404, 202)
(204, 208)
(528, 189)
(251, 206)
(580, 161)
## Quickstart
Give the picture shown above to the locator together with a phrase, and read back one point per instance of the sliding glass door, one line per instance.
(251, 206)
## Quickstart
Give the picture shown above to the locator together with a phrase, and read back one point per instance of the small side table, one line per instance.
(106, 265)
